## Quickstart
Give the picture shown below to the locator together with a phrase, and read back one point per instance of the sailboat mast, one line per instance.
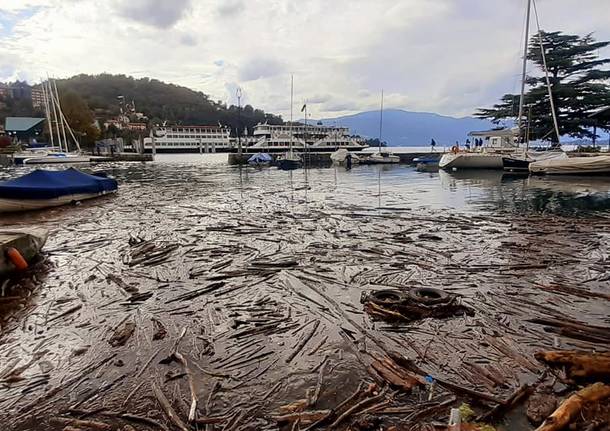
(546, 74)
(291, 100)
(380, 121)
(525, 46)
(53, 103)
(63, 127)
(45, 98)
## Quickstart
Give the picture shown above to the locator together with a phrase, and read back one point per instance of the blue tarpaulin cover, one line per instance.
(42, 184)
(260, 158)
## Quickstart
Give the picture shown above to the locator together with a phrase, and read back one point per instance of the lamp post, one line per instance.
(238, 93)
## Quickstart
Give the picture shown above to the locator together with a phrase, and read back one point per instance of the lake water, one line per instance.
(371, 186)
(246, 262)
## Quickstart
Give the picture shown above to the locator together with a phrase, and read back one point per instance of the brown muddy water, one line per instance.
(253, 279)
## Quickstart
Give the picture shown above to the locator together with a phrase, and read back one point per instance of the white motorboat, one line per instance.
(341, 157)
(596, 165)
(52, 158)
(499, 143)
(380, 158)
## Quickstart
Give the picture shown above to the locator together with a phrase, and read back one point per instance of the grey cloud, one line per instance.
(156, 13)
(230, 8)
(319, 98)
(342, 106)
(188, 40)
(258, 68)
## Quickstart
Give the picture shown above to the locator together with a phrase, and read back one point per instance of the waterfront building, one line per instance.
(26, 130)
(37, 97)
(136, 127)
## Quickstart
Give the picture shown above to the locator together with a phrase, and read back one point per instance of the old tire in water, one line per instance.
(387, 297)
(428, 295)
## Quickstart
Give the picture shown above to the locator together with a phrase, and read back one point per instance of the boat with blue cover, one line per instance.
(44, 189)
(260, 159)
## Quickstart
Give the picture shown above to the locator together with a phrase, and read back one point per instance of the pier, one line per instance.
(123, 157)
(323, 158)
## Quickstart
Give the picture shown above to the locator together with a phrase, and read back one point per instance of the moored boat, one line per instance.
(521, 163)
(465, 160)
(499, 143)
(54, 158)
(18, 247)
(288, 161)
(596, 165)
(380, 158)
(44, 189)
(260, 159)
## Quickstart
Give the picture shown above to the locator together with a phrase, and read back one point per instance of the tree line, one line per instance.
(87, 98)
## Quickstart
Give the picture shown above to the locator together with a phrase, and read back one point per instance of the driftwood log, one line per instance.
(394, 374)
(578, 364)
(570, 408)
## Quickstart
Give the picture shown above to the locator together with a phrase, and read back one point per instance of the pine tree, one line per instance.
(578, 85)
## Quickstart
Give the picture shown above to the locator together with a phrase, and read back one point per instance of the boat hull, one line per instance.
(471, 161)
(19, 205)
(288, 164)
(597, 165)
(28, 242)
(512, 164)
(380, 159)
(47, 160)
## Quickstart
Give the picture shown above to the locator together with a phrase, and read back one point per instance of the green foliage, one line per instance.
(578, 84)
(466, 412)
(10, 107)
(79, 117)
(160, 102)
(374, 142)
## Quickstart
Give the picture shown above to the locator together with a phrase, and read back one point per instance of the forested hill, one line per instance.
(159, 101)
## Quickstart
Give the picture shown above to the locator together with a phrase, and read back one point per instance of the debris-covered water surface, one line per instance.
(208, 297)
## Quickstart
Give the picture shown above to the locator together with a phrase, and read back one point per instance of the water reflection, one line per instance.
(207, 180)
(569, 195)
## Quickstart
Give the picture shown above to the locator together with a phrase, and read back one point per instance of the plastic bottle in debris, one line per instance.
(430, 382)
(455, 420)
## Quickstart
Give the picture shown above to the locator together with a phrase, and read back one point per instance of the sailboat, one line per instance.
(520, 162)
(380, 157)
(55, 117)
(290, 159)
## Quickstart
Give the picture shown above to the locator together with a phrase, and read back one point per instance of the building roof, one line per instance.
(494, 133)
(21, 124)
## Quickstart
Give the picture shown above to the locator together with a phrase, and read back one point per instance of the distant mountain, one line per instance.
(404, 128)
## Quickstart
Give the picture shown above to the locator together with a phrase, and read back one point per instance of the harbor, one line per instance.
(215, 219)
(236, 292)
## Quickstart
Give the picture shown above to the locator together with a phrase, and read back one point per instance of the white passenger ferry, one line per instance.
(266, 138)
(276, 138)
(189, 139)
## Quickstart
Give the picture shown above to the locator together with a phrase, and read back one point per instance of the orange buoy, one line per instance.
(16, 258)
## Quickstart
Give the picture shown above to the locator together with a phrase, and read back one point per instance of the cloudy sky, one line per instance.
(444, 56)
